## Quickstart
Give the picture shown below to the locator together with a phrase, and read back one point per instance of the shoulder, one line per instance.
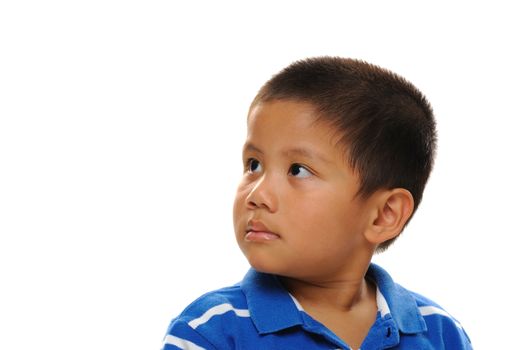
(202, 324)
(214, 303)
(441, 326)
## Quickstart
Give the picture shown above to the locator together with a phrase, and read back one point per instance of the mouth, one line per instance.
(258, 232)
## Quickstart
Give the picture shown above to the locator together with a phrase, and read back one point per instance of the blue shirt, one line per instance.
(259, 313)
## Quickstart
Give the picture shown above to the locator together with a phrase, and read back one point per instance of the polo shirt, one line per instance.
(259, 313)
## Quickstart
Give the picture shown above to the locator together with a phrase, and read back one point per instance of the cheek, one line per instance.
(239, 203)
(325, 217)
(309, 222)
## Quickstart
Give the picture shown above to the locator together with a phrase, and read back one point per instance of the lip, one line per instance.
(257, 232)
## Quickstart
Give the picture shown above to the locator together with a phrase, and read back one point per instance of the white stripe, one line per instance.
(432, 310)
(297, 303)
(181, 343)
(382, 303)
(217, 310)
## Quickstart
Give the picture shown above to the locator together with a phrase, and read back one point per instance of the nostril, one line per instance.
(261, 196)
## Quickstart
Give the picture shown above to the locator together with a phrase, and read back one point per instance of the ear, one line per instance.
(390, 211)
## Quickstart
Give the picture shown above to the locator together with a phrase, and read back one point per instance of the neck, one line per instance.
(338, 294)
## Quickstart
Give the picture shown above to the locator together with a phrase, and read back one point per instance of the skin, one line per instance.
(297, 215)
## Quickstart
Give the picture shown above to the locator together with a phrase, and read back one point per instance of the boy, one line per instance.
(337, 155)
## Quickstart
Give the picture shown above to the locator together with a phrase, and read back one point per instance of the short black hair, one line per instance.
(385, 123)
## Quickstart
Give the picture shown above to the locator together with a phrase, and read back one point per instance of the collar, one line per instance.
(397, 301)
(271, 307)
(263, 290)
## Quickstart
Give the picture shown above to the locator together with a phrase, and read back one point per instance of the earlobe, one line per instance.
(391, 211)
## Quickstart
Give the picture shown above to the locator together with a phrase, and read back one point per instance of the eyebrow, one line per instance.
(296, 151)
(306, 153)
(249, 147)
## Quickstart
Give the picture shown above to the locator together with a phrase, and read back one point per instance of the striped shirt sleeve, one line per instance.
(181, 336)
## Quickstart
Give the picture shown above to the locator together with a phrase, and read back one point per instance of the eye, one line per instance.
(253, 166)
(300, 171)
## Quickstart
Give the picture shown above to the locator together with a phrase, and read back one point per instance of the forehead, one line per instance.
(290, 124)
(297, 117)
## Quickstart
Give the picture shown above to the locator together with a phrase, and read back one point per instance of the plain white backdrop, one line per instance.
(121, 124)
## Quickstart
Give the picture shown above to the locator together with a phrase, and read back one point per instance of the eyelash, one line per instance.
(248, 164)
(250, 161)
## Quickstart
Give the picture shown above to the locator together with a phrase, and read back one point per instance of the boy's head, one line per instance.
(384, 124)
(337, 155)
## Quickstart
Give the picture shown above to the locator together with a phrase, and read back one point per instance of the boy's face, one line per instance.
(295, 212)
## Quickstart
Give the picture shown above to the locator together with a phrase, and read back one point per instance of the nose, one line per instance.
(262, 195)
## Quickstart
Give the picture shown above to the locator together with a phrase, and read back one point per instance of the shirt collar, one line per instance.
(397, 301)
(263, 290)
(271, 307)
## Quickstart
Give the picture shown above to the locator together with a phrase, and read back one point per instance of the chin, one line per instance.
(265, 265)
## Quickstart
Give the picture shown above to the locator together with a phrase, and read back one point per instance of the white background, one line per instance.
(121, 124)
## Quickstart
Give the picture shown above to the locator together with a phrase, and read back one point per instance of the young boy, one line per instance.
(336, 159)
